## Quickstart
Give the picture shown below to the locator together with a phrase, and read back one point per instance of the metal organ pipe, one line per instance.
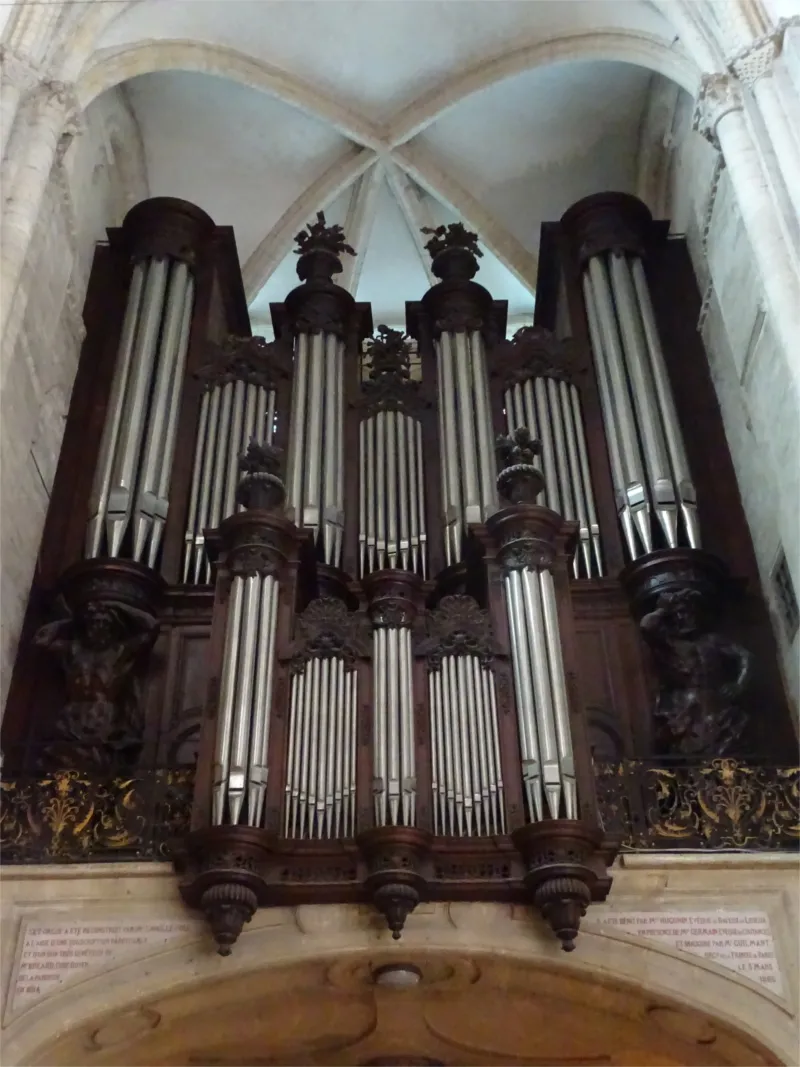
(551, 410)
(648, 458)
(467, 782)
(392, 529)
(131, 486)
(394, 761)
(232, 414)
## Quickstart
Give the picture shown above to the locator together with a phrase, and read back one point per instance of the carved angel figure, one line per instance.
(702, 676)
(100, 724)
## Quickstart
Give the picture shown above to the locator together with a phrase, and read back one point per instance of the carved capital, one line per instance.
(566, 862)
(528, 535)
(757, 59)
(394, 597)
(17, 71)
(395, 882)
(328, 629)
(224, 872)
(252, 360)
(257, 542)
(165, 227)
(457, 627)
(719, 95)
(534, 352)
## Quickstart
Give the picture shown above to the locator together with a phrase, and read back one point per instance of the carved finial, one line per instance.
(261, 487)
(456, 235)
(389, 353)
(322, 238)
(519, 481)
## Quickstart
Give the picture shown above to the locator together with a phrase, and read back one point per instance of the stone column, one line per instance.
(754, 67)
(51, 109)
(16, 79)
(720, 117)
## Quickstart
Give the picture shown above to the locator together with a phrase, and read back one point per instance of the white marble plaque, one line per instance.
(741, 940)
(52, 954)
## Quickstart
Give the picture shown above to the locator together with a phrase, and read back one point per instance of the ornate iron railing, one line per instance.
(68, 816)
(721, 804)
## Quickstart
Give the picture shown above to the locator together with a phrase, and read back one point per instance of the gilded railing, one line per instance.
(721, 804)
(68, 816)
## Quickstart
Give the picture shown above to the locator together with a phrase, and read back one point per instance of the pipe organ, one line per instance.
(385, 601)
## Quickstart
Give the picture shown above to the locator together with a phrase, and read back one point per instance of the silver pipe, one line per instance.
(192, 529)
(215, 515)
(492, 772)
(609, 420)
(380, 480)
(297, 432)
(330, 735)
(458, 740)
(147, 503)
(249, 427)
(262, 707)
(528, 409)
(393, 731)
(526, 703)
(433, 711)
(234, 450)
(455, 802)
(126, 460)
(585, 546)
(260, 430)
(222, 748)
(489, 680)
(403, 523)
(414, 501)
(337, 761)
(453, 515)
(552, 495)
(243, 704)
(513, 408)
(666, 404)
(466, 425)
(487, 467)
(271, 416)
(391, 490)
(316, 738)
(444, 461)
(420, 503)
(480, 727)
(372, 503)
(363, 563)
(353, 743)
(292, 762)
(471, 738)
(116, 407)
(325, 710)
(586, 480)
(209, 451)
(409, 770)
(621, 404)
(644, 399)
(305, 747)
(330, 453)
(379, 730)
(541, 685)
(444, 822)
(171, 430)
(339, 503)
(347, 729)
(313, 454)
(559, 691)
(565, 489)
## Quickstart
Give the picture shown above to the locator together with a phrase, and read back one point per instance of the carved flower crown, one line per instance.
(322, 238)
(456, 235)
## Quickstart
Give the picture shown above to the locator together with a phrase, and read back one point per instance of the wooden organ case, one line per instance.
(386, 608)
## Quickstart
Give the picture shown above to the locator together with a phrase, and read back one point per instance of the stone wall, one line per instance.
(91, 187)
(123, 945)
(757, 396)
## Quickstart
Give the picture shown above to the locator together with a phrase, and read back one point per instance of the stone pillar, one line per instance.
(720, 117)
(51, 109)
(16, 79)
(754, 67)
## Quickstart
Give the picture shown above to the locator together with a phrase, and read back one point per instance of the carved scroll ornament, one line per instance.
(458, 627)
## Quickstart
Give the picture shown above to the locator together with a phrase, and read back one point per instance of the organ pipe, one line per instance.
(130, 495)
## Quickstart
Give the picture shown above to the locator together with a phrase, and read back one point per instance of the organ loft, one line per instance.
(379, 615)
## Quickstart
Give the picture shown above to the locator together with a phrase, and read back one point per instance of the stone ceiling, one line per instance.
(390, 116)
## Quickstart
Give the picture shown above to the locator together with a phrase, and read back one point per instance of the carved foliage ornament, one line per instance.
(389, 384)
(255, 553)
(327, 629)
(319, 237)
(454, 236)
(252, 360)
(534, 352)
(458, 627)
(519, 481)
(261, 486)
(719, 95)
